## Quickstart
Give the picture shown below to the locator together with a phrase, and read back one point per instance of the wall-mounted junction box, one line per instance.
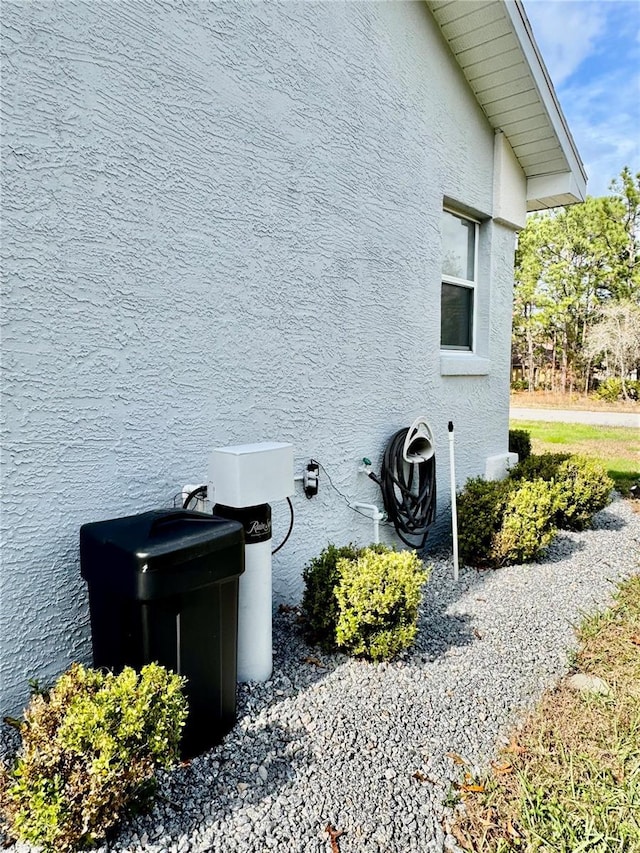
(251, 474)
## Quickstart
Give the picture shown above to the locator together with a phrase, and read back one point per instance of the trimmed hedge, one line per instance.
(527, 524)
(363, 601)
(513, 520)
(481, 506)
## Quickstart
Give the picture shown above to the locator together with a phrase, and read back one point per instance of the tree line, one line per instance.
(576, 315)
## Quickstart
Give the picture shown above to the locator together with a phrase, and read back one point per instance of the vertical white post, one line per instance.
(454, 507)
(255, 654)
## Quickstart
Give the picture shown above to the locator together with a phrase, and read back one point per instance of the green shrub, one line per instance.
(539, 466)
(528, 523)
(90, 746)
(513, 520)
(585, 488)
(378, 596)
(520, 443)
(319, 604)
(369, 592)
(481, 506)
(609, 390)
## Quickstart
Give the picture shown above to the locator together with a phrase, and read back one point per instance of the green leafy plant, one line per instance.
(528, 522)
(363, 600)
(481, 505)
(378, 596)
(609, 390)
(513, 520)
(90, 747)
(520, 443)
(584, 489)
(319, 603)
(539, 466)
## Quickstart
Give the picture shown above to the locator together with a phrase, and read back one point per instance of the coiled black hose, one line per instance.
(408, 491)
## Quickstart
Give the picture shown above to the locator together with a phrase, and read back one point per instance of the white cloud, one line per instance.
(566, 33)
(604, 118)
(590, 51)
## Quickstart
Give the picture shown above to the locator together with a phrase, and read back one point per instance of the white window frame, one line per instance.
(471, 284)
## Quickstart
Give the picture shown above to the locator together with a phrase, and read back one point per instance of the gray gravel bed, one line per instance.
(341, 742)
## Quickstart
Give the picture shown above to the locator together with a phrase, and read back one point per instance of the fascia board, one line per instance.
(541, 190)
(524, 34)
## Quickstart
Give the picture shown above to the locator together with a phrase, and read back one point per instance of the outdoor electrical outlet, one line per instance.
(310, 480)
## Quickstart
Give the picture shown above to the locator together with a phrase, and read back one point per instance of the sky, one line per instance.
(592, 51)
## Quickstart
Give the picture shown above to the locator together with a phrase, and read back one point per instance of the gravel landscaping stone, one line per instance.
(373, 749)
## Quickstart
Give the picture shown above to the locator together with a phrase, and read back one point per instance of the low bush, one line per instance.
(609, 390)
(513, 520)
(378, 596)
(319, 603)
(539, 466)
(527, 524)
(481, 506)
(90, 747)
(363, 600)
(585, 488)
(520, 443)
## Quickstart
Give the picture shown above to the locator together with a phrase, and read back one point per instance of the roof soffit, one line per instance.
(494, 46)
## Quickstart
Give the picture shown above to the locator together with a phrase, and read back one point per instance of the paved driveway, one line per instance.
(626, 419)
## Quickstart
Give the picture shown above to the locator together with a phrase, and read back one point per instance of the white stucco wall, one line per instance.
(222, 225)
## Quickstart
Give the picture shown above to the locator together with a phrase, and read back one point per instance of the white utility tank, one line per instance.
(243, 480)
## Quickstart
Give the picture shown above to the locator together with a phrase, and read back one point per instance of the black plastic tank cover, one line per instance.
(159, 553)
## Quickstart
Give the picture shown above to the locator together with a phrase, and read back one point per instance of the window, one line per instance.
(459, 274)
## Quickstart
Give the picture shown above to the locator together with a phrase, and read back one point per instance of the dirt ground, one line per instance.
(548, 400)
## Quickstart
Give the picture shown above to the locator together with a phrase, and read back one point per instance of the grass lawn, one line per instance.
(569, 781)
(617, 448)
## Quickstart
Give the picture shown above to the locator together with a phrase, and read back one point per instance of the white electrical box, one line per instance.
(251, 474)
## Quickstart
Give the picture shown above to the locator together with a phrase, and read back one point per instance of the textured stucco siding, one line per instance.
(221, 224)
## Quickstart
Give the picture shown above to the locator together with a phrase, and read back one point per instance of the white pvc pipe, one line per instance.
(255, 652)
(454, 507)
(376, 517)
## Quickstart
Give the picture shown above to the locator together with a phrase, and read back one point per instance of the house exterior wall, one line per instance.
(222, 225)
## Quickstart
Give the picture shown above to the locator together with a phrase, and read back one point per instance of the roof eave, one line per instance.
(557, 188)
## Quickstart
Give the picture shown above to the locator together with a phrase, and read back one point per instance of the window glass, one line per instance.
(458, 247)
(456, 317)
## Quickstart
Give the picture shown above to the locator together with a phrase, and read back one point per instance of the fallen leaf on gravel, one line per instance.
(420, 777)
(457, 759)
(334, 835)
